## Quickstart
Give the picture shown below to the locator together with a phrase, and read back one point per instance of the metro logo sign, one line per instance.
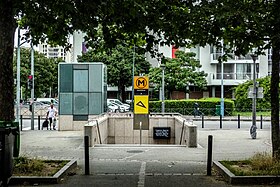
(141, 83)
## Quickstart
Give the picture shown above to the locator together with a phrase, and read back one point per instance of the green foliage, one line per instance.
(119, 63)
(186, 107)
(24, 166)
(259, 164)
(45, 73)
(179, 73)
(243, 103)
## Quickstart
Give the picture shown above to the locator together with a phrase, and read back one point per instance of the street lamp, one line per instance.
(253, 129)
(132, 93)
(162, 66)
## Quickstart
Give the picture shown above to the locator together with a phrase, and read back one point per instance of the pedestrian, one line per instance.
(51, 116)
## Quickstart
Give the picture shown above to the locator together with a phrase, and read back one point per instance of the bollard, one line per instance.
(86, 139)
(202, 121)
(140, 132)
(261, 121)
(238, 121)
(221, 122)
(209, 156)
(20, 122)
(38, 122)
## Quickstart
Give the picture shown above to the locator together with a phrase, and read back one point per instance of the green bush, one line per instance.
(186, 107)
(243, 103)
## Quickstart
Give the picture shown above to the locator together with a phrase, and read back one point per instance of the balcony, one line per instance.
(229, 79)
(215, 57)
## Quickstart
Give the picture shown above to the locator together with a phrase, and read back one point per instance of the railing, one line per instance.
(213, 111)
(215, 56)
(232, 76)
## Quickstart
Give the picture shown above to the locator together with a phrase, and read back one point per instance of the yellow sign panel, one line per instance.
(141, 82)
(141, 104)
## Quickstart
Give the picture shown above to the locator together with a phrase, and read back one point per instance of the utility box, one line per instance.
(9, 148)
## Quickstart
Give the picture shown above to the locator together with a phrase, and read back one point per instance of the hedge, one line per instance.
(208, 106)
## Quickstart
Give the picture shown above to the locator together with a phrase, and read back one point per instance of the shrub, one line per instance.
(207, 106)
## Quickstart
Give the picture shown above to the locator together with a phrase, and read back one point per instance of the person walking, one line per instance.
(51, 116)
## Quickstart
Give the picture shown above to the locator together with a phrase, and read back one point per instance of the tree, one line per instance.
(56, 19)
(180, 72)
(243, 103)
(45, 73)
(119, 63)
(242, 26)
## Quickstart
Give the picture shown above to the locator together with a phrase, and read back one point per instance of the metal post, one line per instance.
(38, 122)
(140, 132)
(132, 93)
(86, 155)
(202, 121)
(209, 155)
(261, 121)
(222, 84)
(32, 89)
(162, 86)
(21, 122)
(253, 129)
(238, 121)
(18, 79)
(221, 121)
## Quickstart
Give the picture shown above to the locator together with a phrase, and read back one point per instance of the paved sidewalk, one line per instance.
(146, 165)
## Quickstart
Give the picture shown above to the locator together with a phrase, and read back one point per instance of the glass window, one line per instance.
(66, 77)
(95, 78)
(80, 80)
(95, 103)
(80, 103)
(243, 71)
(65, 103)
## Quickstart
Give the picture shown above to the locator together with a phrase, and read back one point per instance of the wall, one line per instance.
(118, 129)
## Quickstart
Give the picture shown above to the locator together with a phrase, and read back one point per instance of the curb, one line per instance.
(55, 179)
(248, 180)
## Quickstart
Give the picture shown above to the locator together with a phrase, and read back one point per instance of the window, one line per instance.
(243, 71)
(228, 71)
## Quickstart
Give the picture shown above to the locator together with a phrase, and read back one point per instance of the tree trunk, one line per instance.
(7, 31)
(122, 92)
(274, 92)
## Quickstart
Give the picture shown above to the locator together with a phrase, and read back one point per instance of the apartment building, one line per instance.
(52, 52)
(236, 70)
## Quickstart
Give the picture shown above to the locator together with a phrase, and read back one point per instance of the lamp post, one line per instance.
(162, 66)
(253, 129)
(132, 93)
(18, 78)
(32, 88)
(222, 82)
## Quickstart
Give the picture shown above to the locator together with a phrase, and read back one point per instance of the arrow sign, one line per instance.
(141, 104)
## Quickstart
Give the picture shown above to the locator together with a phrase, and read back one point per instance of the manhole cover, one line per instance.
(135, 151)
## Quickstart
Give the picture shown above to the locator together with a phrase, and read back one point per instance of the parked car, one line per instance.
(123, 107)
(112, 107)
(36, 104)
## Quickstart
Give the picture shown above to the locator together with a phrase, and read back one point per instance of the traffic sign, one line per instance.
(141, 82)
(141, 104)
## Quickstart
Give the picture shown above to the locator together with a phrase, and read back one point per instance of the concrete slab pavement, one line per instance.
(146, 165)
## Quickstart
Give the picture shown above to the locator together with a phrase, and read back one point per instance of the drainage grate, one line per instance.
(134, 151)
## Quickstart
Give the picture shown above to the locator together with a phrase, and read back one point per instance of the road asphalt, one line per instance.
(145, 165)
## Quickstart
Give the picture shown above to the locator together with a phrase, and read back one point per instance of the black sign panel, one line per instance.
(141, 92)
(162, 132)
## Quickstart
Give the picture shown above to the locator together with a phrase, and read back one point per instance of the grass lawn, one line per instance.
(259, 164)
(34, 167)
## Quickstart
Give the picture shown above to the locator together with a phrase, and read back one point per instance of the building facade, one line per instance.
(236, 70)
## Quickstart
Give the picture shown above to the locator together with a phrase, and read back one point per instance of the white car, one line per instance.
(112, 107)
(123, 107)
